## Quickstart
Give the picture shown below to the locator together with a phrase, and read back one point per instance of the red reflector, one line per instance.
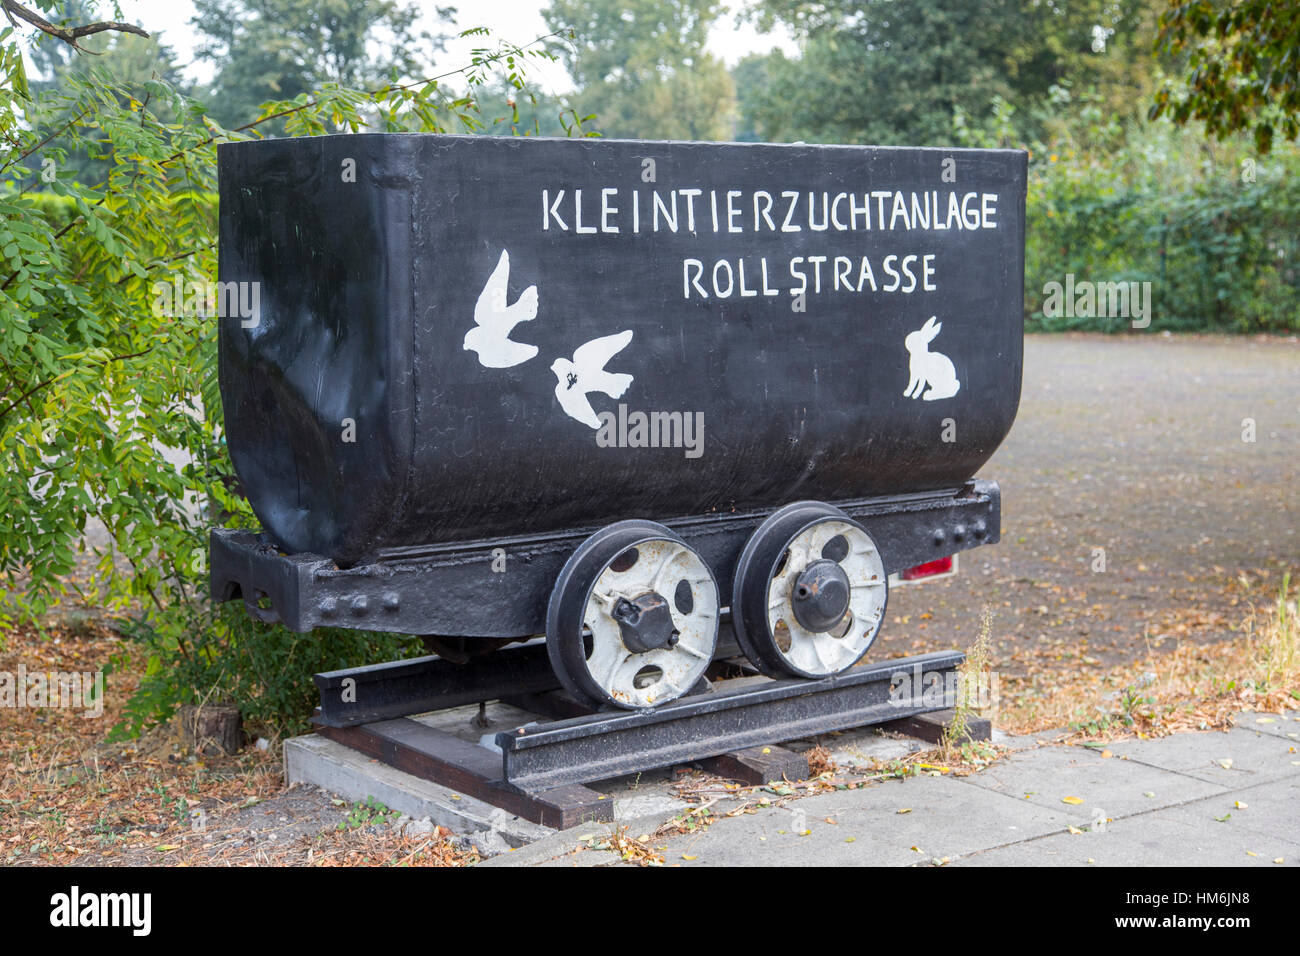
(929, 569)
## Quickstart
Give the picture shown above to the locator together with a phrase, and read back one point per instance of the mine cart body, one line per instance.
(472, 352)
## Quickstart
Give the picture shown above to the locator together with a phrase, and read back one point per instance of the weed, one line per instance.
(369, 813)
(972, 676)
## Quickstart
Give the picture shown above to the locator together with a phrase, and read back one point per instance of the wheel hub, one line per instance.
(820, 596)
(645, 622)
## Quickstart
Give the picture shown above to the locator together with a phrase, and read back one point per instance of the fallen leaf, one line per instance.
(1265, 720)
(1278, 860)
(1226, 763)
(1107, 753)
(1075, 830)
(1224, 819)
(687, 856)
(904, 810)
(1073, 801)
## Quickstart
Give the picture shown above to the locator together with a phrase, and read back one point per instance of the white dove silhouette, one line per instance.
(493, 320)
(586, 373)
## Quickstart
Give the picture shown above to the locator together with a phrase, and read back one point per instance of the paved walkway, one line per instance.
(1207, 799)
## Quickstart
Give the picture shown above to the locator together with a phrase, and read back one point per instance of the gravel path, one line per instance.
(1133, 445)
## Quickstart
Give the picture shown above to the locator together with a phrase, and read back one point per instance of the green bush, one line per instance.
(232, 658)
(57, 210)
(1221, 253)
(102, 388)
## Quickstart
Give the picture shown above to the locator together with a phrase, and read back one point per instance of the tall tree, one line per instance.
(126, 61)
(898, 71)
(1243, 67)
(641, 68)
(49, 54)
(278, 49)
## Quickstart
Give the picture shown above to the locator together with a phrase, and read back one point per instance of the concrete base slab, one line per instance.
(641, 802)
(355, 777)
(471, 724)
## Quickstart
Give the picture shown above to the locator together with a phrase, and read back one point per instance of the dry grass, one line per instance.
(820, 761)
(68, 796)
(1194, 686)
(973, 681)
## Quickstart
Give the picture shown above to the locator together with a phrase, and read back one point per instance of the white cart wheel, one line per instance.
(633, 618)
(810, 592)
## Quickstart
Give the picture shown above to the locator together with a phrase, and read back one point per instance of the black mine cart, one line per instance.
(614, 393)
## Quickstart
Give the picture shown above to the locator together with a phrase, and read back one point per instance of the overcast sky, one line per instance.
(518, 21)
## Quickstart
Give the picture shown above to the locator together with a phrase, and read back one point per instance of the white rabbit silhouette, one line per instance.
(929, 368)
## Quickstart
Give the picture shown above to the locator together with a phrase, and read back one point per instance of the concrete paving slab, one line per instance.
(583, 858)
(1108, 787)
(1241, 757)
(1286, 724)
(1271, 809)
(945, 818)
(1146, 840)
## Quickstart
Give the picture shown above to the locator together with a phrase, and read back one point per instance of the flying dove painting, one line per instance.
(494, 320)
(586, 373)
